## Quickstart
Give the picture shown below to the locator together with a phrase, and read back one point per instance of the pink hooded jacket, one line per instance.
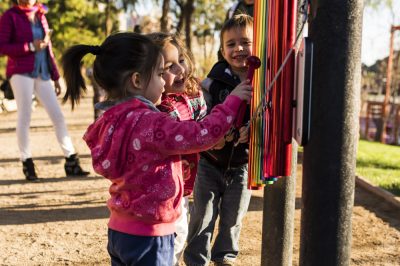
(139, 150)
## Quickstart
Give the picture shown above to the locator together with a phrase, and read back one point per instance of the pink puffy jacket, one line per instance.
(139, 151)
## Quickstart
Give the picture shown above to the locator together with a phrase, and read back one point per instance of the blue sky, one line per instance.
(376, 32)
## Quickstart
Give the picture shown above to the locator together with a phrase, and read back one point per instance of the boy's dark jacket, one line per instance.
(223, 82)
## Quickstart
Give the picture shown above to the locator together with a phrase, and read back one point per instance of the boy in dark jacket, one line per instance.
(221, 184)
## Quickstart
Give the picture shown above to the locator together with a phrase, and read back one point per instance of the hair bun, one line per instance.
(96, 50)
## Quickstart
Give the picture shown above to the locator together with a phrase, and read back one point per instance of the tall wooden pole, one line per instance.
(385, 109)
(330, 155)
(278, 219)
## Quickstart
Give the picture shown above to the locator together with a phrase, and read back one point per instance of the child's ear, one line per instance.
(135, 78)
(222, 52)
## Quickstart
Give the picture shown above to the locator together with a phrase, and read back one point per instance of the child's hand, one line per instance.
(39, 45)
(243, 135)
(243, 90)
(230, 137)
(220, 144)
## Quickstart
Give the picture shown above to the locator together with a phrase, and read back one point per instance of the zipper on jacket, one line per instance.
(235, 139)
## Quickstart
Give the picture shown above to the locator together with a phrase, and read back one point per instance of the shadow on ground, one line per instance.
(384, 210)
(11, 216)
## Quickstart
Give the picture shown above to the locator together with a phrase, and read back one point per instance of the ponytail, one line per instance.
(117, 58)
(71, 63)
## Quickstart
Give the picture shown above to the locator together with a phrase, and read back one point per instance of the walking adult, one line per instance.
(31, 68)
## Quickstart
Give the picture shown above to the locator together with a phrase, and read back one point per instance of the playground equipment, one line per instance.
(385, 112)
(329, 157)
(392, 126)
(281, 104)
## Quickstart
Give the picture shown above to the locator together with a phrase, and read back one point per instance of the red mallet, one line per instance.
(253, 62)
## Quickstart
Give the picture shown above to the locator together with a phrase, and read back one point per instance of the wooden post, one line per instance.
(330, 155)
(278, 219)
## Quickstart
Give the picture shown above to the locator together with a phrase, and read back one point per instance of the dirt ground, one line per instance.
(62, 221)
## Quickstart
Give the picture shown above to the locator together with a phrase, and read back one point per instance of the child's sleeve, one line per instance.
(162, 134)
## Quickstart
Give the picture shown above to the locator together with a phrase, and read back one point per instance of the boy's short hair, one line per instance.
(237, 21)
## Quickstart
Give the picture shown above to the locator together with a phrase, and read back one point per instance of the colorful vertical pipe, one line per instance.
(257, 127)
(270, 130)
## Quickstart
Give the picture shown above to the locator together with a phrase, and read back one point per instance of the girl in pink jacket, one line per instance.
(137, 147)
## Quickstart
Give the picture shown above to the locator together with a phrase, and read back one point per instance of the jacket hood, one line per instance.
(100, 136)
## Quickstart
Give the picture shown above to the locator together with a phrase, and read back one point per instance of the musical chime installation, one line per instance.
(280, 107)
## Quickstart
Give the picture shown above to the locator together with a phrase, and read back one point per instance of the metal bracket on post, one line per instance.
(302, 94)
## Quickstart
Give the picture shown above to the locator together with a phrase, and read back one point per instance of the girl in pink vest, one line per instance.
(183, 100)
(138, 148)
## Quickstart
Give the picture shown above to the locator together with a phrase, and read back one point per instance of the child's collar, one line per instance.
(230, 72)
(105, 105)
(146, 102)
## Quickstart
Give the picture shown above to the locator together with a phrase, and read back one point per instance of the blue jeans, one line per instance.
(126, 249)
(216, 193)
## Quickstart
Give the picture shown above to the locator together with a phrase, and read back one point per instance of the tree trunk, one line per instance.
(179, 26)
(164, 16)
(189, 9)
(109, 22)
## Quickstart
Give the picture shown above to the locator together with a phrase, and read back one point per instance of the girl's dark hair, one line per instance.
(117, 58)
(162, 39)
(237, 21)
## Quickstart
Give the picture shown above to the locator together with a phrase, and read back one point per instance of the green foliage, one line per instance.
(4, 5)
(73, 22)
(77, 21)
(208, 17)
(380, 164)
(2, 67)
(374, 4)
(80, 22)
(374, 76)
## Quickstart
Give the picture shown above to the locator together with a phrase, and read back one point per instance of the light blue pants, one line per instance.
(216, 193)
